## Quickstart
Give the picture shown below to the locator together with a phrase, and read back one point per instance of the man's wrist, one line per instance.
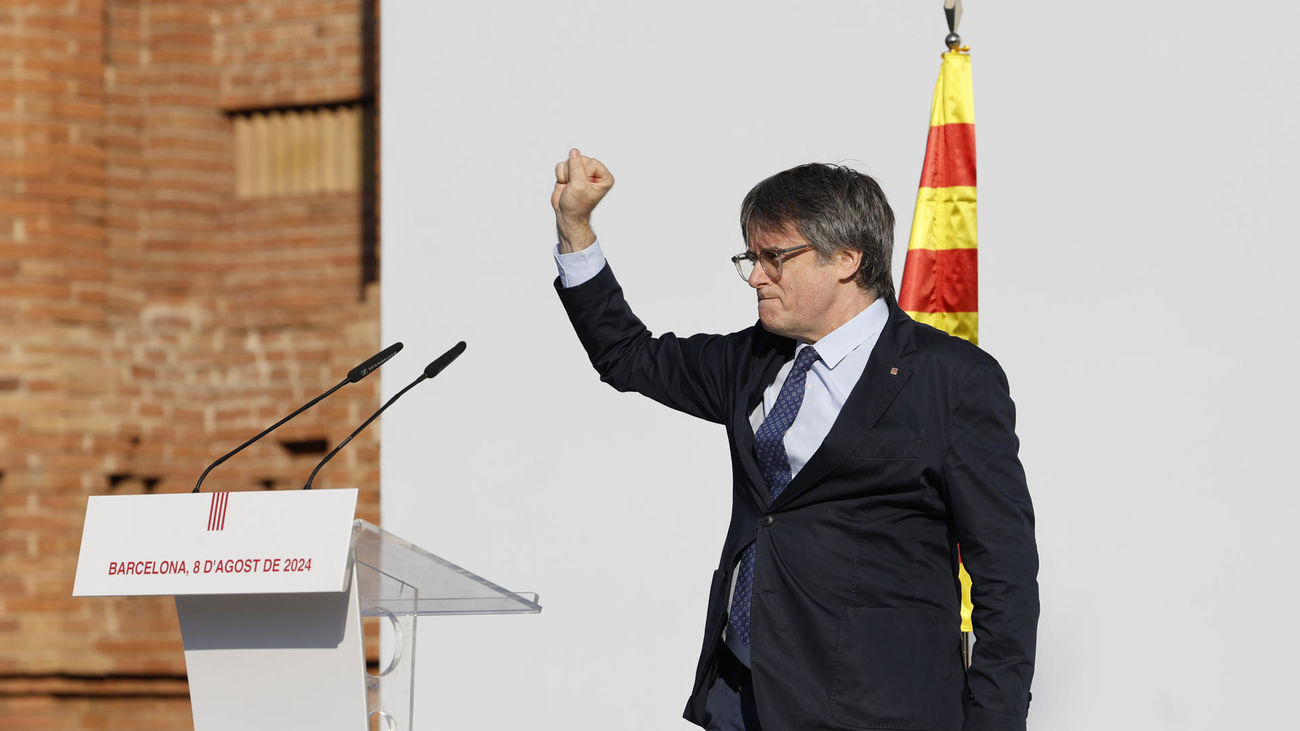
(574, 235)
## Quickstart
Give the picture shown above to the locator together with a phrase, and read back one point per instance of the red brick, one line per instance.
(152, 320)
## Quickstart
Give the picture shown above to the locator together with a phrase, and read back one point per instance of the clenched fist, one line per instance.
(580, 183)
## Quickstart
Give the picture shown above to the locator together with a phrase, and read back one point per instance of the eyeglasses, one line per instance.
(771, 259)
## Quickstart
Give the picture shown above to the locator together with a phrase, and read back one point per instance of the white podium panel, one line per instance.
(216, 543)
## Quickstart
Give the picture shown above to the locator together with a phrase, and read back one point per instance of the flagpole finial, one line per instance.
(952, 11)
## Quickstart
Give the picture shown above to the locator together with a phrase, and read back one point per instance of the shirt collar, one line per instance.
(848, 337)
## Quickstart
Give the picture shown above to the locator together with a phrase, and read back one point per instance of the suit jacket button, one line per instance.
(767, 520)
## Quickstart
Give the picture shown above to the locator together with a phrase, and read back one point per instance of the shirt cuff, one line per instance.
(580, 266)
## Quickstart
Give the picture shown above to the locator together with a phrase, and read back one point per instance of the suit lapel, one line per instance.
(770, 354)
(885, 375)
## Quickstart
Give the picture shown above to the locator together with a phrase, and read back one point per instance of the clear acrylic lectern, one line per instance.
(400, 581)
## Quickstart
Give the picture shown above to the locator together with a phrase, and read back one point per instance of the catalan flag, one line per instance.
(941, 275)
(940, 279)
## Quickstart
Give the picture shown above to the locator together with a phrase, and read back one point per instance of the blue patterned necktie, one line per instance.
(769, 449)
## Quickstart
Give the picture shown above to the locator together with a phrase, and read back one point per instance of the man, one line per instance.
(865, 447)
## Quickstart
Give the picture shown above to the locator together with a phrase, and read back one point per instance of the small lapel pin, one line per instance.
(893, 371)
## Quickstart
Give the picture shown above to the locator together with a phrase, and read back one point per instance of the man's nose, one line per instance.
(758, 277)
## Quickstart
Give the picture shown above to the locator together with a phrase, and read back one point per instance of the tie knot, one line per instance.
(804, 361)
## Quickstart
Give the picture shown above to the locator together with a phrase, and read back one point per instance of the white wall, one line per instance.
(1138, 256)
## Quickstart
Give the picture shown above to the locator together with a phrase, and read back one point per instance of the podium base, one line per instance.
(252, 657)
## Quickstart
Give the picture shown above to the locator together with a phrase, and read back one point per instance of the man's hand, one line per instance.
(580, 183)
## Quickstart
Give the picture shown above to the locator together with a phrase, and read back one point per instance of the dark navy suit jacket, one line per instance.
(856, 599)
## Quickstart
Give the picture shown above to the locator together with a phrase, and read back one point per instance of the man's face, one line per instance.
(802, 303)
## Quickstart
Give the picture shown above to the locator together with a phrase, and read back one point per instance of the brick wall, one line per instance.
(150, 320)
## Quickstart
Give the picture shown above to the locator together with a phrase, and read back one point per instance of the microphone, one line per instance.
(430, 371)
(356, 374)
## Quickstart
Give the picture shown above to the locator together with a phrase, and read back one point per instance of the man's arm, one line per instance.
(994, 522)
(688, 374)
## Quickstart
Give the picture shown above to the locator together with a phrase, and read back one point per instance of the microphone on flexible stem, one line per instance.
(354, 375)
(430, 371)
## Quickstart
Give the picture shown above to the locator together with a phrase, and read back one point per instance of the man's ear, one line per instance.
(847, 262)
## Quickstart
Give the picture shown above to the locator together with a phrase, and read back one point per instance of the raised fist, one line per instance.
(580, 183)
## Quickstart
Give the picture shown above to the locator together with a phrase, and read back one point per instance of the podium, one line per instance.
(270, 589)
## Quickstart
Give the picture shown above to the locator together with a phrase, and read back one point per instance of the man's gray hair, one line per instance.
(832, 207)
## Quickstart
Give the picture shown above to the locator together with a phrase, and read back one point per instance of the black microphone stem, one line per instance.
(365, 368)
(364, 424)
(430, 371)
(268, 430)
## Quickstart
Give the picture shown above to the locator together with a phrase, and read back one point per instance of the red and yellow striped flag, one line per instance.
(941, 276)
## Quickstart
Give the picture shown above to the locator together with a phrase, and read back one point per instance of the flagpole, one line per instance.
(952, 11)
